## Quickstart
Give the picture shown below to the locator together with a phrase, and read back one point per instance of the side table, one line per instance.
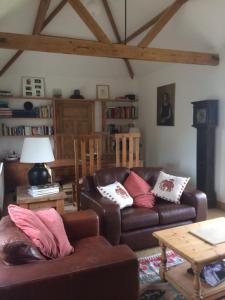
(25, 200)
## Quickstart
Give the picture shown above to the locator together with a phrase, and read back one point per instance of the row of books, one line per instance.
(122, 112)
(26, 130)
(41, 190)
(5, 112)
(115, 128)
(38, 112)
(45, 111)
(5, 93)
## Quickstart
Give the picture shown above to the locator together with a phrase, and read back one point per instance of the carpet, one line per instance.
(151, 287)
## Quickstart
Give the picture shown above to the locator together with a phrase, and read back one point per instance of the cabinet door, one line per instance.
(72, 118)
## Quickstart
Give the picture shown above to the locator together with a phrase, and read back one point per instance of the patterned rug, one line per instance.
(151, 286)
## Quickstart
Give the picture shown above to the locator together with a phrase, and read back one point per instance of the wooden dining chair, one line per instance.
(87, 159)
(128, 149)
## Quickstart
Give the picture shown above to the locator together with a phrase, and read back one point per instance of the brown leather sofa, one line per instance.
(96, 270)
(134, 226)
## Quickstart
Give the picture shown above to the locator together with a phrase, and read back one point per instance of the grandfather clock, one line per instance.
(205, 119)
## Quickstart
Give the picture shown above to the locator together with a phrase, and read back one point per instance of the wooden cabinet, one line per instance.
(72, 118)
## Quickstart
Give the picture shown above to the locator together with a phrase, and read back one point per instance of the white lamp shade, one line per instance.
(37, 150)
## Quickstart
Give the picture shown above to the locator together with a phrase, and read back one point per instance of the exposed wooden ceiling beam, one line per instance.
(40, 18)
(54, 13)
(163, 20)
(116, 32)
(89, 21)
(53, 44)
(18, 53)
(144, 27)
(10, 62)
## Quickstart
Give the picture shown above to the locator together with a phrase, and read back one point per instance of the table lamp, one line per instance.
(38, 151)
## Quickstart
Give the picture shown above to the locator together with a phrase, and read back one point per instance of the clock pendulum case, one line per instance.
(205, 120)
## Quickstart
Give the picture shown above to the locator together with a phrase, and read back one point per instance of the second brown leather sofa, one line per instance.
(95, 271)
(134, 226)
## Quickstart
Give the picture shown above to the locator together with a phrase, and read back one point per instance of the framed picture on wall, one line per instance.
(33, 86)
(166, 105)
(102, 91)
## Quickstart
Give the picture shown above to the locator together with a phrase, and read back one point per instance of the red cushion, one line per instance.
(140, 190)
(45, 229)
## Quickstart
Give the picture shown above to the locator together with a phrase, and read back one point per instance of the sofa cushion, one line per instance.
(149, 174)
(108, 176)
(117, 193)
(173, 213)
(170, 187)
(139, 189)
(136, 218)
(45, 229)
(15, 247)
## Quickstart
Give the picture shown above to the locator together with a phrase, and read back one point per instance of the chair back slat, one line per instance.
(124, 151)
(137, 152)
(87, 158)
(127, 150)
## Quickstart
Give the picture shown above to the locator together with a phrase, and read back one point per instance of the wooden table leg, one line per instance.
(197, 282)
(60, 206)
(163, 268)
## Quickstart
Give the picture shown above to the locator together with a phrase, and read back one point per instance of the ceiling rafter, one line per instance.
(64, 45)
(40, 18)
(89, 21)
(144, 27)
(163, 20)
(116, 32)
(18, 53)
(52, 15)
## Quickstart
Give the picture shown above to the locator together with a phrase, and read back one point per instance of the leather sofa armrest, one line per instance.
(111, 275)
(198, 200)
(81, 224)
(108, 212)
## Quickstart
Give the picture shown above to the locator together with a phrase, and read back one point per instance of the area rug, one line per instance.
(151, 287)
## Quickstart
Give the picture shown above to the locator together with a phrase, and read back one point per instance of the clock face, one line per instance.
(201, 116)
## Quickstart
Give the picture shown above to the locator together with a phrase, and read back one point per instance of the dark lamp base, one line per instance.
(38, 175)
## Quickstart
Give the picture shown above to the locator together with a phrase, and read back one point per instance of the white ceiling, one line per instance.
(199, 25)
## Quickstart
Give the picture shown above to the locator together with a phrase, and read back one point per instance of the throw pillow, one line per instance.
(140, 190)
(42, 235)
(116, 193)
(170, 187)
(15, 247)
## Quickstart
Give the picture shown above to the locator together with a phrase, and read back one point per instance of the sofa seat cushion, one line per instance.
(173, 213)
(91, 246)
(136, 218)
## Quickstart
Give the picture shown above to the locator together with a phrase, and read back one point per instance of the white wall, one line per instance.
(175, 147)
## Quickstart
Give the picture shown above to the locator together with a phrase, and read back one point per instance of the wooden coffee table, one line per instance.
(197, 253)
(56, 200)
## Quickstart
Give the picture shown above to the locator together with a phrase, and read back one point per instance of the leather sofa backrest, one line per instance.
(107, 176)
(149, 174)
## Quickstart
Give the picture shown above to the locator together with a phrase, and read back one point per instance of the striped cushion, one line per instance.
(140, 190)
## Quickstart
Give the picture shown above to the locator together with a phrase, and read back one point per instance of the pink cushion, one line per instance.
(45, 228)
(140, 190)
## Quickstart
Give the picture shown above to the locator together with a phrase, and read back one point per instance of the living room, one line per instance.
(193, 26)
